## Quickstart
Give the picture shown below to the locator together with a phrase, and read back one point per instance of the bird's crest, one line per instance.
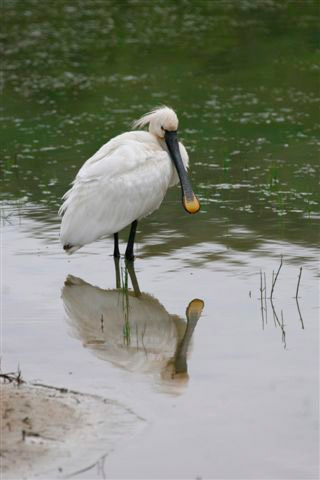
(163, 113)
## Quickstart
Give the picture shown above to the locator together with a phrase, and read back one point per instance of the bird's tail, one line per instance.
(70, 249)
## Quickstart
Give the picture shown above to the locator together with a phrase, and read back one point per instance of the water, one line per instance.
(243, 77)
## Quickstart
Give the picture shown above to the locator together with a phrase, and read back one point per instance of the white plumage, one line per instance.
(124, 181)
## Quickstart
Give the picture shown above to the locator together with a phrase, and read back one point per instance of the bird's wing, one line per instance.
(104, 159)
(109, 194)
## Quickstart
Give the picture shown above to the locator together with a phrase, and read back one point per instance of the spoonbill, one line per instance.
(124, 181)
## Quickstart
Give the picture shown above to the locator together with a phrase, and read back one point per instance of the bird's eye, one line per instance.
(162, 127)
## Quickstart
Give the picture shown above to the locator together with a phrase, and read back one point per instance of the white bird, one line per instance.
(124, 181)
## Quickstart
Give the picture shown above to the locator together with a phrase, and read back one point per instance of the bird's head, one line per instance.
(160, 120)
(163, 123)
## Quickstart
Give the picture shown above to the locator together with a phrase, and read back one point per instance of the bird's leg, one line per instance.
(129, 250)
(133, 278)
(116, 251)
(117, 270)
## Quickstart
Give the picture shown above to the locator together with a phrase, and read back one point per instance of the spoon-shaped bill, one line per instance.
(189, 200)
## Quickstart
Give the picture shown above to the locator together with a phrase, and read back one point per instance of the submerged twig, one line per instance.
(276, 277)
(265, 296)
(100, 464)
(283, 331)
(300, 316)
(281, 324)
(12, 377)
(261, 300)
(298, 285)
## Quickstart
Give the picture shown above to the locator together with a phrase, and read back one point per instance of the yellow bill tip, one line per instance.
(195, 308)
(191, 206)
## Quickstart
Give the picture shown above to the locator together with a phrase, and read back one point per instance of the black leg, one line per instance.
(129, 250)
(116, 251)
(117, 270)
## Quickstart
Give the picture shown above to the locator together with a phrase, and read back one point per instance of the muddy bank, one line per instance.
(50, 433)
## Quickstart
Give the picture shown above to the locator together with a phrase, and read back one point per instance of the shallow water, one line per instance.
(244, 81)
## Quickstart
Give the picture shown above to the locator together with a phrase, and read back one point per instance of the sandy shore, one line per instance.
(50, 433)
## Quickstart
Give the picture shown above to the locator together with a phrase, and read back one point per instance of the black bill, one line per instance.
(189, 200)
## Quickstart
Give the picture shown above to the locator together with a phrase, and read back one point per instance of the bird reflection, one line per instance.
(129, 328)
